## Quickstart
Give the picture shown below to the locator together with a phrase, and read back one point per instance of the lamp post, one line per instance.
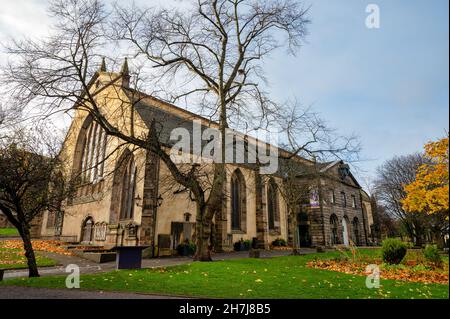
(157, 202)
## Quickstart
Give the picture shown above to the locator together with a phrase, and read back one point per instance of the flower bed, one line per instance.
(409, 270)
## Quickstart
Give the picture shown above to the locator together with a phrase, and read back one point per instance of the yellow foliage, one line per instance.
(429, 192)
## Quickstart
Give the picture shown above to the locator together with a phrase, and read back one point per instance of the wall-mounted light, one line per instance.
(138, 201)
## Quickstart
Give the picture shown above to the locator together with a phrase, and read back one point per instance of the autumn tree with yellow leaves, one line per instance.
(429, 192)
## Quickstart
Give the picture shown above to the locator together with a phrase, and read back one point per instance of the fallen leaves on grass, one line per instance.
(11, 257)
(52, 246)
(401, 272)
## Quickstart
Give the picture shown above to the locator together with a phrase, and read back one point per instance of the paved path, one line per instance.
(12, 292)
(90, 267)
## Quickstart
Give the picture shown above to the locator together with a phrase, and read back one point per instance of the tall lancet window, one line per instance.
(94, 148)
(238, 202)
(128, 190)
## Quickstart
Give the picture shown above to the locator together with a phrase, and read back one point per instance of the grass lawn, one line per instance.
(14, 258)
(281, 277)
(9, 232)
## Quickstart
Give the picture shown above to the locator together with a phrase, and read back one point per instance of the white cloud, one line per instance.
(23, 17)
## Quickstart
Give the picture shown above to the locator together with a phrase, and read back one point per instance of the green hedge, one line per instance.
(393, 251)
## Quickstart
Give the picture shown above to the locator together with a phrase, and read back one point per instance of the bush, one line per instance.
(279, 242)
(431, 254)
(242, 245)
(247, 244)
(394, 251)
(186, 249)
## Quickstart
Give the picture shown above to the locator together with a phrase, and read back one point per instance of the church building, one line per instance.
(126, 196)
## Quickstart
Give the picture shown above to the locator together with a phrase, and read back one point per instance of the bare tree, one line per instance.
(389, 226)
(217, 47)
(389, 188)
(29, 183)
(298, 181)
(308, 142)
(209, 55)
(219, 44)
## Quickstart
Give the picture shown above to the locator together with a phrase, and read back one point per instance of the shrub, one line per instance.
(394, 251)
(341, 259)
(186, 249)
(431, 254)
(279, 242)
(242, 245)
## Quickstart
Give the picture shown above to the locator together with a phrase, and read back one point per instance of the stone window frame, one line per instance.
(127, 194)
(332, 197)
(89, 156)
(51, 219)
(238, 201)
(92, 161)
(354, 205)
(344, 199)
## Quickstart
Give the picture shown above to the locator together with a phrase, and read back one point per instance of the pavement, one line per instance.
(13, 292)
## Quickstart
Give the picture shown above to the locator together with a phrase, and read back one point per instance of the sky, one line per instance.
(389, 86)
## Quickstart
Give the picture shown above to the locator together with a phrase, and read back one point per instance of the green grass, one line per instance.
(14, 259)
(9, 232)
(376, 254)
(282, 277)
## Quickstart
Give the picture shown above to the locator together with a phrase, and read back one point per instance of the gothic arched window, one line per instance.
(272, 205)
(238, 202)
(94, 147)
(128, 189)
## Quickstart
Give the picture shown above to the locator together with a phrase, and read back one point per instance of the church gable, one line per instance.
(341, 171)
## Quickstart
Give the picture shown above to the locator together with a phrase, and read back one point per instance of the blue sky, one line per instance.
(387, 85)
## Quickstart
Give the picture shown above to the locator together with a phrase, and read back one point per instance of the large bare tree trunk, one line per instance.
(294, 230)
(203, 231)
(29, 252)
(206, 213)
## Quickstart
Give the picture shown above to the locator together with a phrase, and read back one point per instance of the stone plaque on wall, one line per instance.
(100, 231)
